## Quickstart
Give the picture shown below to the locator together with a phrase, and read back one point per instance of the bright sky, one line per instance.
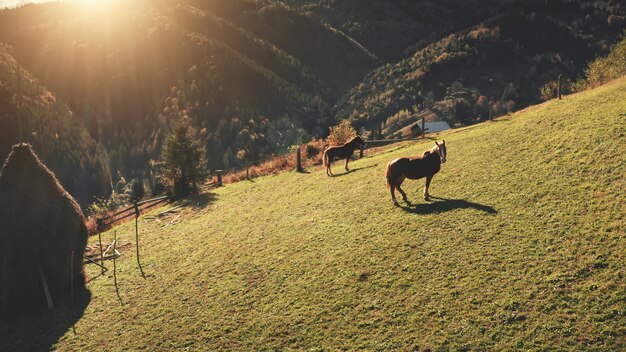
(14, 3)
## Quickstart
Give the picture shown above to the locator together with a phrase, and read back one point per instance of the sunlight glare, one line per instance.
(96, 5)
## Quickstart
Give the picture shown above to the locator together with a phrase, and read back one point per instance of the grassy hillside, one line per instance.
(523, 249)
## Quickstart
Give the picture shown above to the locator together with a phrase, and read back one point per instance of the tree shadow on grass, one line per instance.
(442, 205)
(354, 169)
(40, 331)
(201, 200)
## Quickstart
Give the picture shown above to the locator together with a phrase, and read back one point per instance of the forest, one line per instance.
(97, 95)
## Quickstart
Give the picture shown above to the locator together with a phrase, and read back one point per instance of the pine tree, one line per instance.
(183, 160)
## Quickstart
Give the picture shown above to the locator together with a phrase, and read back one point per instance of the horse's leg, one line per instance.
(329, 172)
(392, 187)
(402, 191)
(348, 158)
(426, 195)
(327, 168)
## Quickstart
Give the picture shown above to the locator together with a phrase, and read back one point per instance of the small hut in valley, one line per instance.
(42, 233)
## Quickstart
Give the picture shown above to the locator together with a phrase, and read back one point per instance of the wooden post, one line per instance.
(361, 151)
(4, 289)
(117, 290)
(19, 84)
(114, 261)
(19, 103)
(219, 177)
(299, 160)
(247, 170)
(490, 109)
(137, 237)
(558, 87)
(423, 126)
(46, 290)
(100, 224)
(72, 277)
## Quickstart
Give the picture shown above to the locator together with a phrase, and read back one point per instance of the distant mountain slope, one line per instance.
(506, 59)
(230, 63)
(394, 29)
(389, 27)
(56, 133)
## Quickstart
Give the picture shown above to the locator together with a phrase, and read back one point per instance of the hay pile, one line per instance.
(40, 226)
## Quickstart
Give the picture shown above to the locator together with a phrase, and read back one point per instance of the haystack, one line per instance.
(40, 226)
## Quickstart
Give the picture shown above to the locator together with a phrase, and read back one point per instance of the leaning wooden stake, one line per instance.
(46, 290)
(4, 289)
(72, 277)
(423, 126)
(114, 261)
(558, 87)
(137, 238)
(117, 291)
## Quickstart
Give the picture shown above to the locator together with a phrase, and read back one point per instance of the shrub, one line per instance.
(613, 66)
(136, 190)
(551, 88)
(341, 133)
(311, 155)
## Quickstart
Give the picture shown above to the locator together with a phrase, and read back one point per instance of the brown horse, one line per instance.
(341, 151)
(413, 168)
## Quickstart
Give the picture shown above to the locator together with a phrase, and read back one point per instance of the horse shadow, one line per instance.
(443, 205)
(32, 330)
(353, 170)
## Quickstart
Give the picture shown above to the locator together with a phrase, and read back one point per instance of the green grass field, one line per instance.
(523, 250)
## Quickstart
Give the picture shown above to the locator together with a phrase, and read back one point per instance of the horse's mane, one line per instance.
(430, 151)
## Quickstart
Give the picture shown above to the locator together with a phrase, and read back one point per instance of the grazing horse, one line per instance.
(341, 151)
(413, 168)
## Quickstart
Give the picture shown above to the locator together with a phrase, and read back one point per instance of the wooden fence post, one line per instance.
(247, 170)
(218, 173)
(423, 126)
(558, 87)
(299, 160)
(490, 109)
(361, 151)
(137, 237)
(114, 261)
(100, 225)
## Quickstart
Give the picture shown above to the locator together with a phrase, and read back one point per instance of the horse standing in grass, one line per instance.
(341, 151)
(413, 168)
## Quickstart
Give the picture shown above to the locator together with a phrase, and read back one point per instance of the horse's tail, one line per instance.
(388, 175)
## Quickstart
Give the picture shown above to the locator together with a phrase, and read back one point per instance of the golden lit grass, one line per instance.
(524, 250)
